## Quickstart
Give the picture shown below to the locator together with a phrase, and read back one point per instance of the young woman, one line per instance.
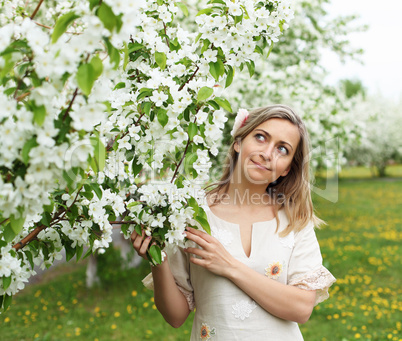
(260, 273)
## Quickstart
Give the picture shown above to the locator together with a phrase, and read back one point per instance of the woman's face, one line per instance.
(267, 152)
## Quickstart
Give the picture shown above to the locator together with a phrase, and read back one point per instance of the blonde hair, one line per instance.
(293, 190)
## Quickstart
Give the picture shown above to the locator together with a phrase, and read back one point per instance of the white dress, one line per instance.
(223, 311)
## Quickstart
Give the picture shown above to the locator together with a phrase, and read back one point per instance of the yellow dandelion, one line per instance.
(134, 293)
(7, 319)
(149, 332)
(145, 305)
(97, 309)
(75, 301)
(37, 294)
(116, 314)
(27, 313)
(36, 336)
(113, 326)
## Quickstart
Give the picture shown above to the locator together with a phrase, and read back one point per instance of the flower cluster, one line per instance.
(109, 113)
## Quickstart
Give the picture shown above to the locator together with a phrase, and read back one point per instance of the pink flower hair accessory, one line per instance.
(240, 120)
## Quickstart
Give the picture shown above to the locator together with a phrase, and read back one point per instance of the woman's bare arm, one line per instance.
(169, 300)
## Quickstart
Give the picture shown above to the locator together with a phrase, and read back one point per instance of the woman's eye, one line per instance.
(260, 137)
(283, 150)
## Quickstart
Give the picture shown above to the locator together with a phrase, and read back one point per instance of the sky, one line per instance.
(381, 73)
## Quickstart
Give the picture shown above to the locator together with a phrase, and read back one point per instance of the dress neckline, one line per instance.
(271, 221)
(257, 222)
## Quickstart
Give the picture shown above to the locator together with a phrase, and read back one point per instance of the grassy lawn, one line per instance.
(361, 246)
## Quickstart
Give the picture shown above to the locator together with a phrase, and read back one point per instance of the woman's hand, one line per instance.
(214, 256)
(140, 243)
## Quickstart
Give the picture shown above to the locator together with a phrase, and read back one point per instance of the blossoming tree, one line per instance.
(294, 74)
(109, 111)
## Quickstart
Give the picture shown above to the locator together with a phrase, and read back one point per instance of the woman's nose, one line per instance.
(267, 152)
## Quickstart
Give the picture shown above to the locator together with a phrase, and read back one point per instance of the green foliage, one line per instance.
(353, 87)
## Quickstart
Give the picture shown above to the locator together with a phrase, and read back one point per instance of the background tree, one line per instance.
(381, 142)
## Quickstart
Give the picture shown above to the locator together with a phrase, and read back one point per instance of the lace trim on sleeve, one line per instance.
(319, 280)
(189, 296)
(148, 282)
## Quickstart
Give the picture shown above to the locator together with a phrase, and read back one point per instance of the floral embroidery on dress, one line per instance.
(206, 332)
(288, 240)
(225, 237)
(274, 270)
(243, 309)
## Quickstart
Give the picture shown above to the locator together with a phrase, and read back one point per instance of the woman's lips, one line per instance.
(260, 165)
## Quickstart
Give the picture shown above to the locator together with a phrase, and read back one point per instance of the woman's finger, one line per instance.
(197, 239)
(144, 247)
(138, 241)
(197, 252)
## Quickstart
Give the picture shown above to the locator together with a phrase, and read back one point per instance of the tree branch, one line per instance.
(36, 9)
(71, 104)
(189, 80)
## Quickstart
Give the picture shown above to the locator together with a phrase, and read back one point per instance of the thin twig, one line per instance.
(189, 80)
(181, 160)
(36, 9)
(71, 104)
(167, 39)
(5, 220)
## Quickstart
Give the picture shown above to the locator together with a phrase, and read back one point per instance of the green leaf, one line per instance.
(70, 252)
(126, 56)
(86, 78)
(194, 205)
(113, 53)
(189, 162)
(6, 282)
(224, 103)
(229, 76)
(136, 168)
(183, 8)
(107, 16)
(146, 107)
(270, 49)
(192, 130)
(204, 93)
(96, 189)
(27, 148)
(156, 254)
(205, 11)
(204, 223)
(99, 153)
(17, 223)
(97, 65)
(162, 117)
(135, 47)
(80, 249)
(7, 301)
(213, 104)
(62, 24)
(251, 68)
(39, 114)
(119, 85)
(217, 69)
(93, 4)
(30, 258)
(160, 59)
(46, 219)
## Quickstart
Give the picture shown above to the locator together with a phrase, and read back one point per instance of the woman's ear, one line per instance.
(236, 147)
